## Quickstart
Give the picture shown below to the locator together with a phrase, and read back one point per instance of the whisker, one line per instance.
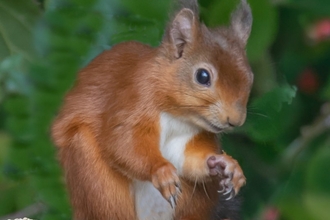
(205, 191)
(259, 114)
(194, 188)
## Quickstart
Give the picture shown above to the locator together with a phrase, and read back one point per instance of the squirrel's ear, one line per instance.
(181, 31)
(241, 21)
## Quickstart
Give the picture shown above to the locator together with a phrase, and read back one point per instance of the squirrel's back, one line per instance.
(106, 84)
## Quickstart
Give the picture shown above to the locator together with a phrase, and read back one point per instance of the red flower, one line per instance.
(320, 31)
(308, 81)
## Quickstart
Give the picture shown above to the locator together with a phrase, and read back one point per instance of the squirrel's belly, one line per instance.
(149, 203)
(174, 136)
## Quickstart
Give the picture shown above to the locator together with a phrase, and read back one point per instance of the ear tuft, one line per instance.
(181, 31)
(241, 21)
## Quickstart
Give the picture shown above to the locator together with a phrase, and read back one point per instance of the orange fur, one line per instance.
(109, 129)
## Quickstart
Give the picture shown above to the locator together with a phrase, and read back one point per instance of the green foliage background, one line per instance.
(284, 146)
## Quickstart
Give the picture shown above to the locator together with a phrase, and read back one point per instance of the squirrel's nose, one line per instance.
(236, 119)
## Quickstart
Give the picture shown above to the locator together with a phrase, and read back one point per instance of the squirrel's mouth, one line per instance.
(214, 128)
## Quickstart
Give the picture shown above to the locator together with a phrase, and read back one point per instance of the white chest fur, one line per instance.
(175, 134)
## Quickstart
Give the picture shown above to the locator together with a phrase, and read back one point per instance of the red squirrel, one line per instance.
(137, 134)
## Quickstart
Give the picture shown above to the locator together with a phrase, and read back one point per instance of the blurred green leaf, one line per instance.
(135, 28)
(264, 28)
(4, 147)
(219, 12)
(316, 180)
(321, 7)
(264, 75)
(17, 19)
(268, 126)
(144, 24)
(293, 208)
(317, 205)
(13, 79)
(7, 199)
(157, 10)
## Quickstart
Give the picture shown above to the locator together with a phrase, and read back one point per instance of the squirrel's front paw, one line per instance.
(166, 180)
(229, 172)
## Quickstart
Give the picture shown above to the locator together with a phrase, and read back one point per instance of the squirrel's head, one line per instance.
(207, 77)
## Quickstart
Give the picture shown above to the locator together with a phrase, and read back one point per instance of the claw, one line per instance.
(230, 196)
(222, 190)
(229, 190)
(172, 201)
(179, 190)
(227, 171)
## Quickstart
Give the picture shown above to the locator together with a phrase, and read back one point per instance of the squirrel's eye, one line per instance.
(203, 77)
